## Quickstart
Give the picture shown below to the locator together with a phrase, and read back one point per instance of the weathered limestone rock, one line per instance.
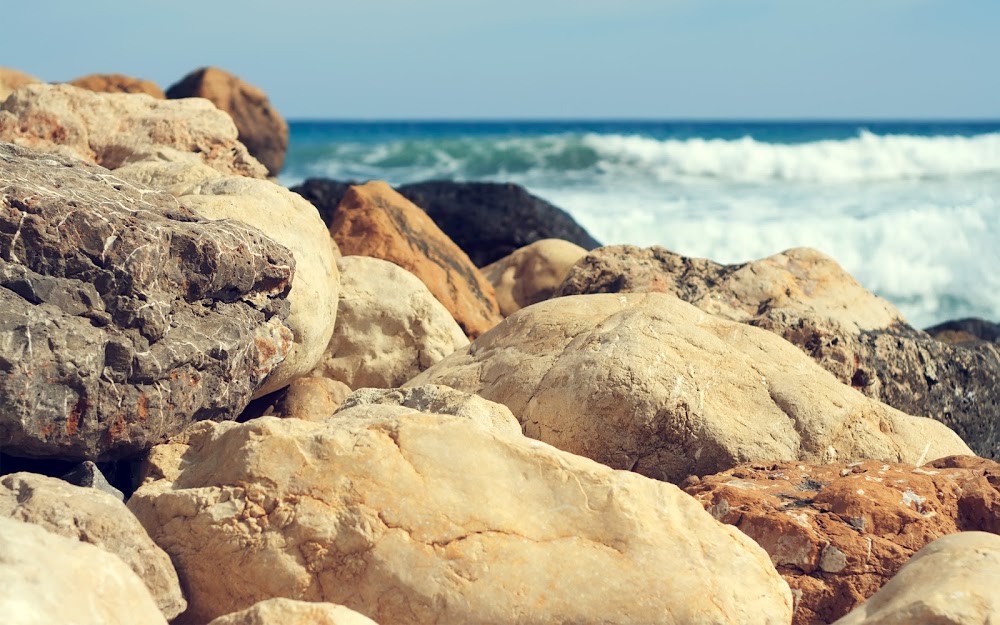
(114, 129)
(838, 532)
(425, 518)
(373, 220)
(262, 129)
(289, 612)
(170, 170)
(807, 298)
(47, 578)
(97, 518)
(952, 581)
(532, 273)
(12, 79)
(118, 83)
(294, 223)
(648, 383)
(389, 326)
(123, 317)
(309, 398)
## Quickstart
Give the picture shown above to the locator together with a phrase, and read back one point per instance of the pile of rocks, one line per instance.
(344, 419)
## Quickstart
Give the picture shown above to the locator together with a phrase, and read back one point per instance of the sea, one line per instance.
(911, 209)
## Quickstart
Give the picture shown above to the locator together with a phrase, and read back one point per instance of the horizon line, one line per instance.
(696, 120)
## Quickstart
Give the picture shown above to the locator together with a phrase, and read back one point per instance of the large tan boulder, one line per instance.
(118, 83)
(94, 517)
(952, 581)
(290, 612)
(649, 383)
(424, 518)
(532, 273)
(113, 129)
(373, 220)
(47, 578)
(389, 326)
(11, 79)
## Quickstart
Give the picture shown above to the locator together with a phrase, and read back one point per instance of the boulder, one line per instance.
(88, 475)
(262, 129)
(965, 330)
(952, 581)
(12, 79)
(113, 129)
(123, 316)
(373, 220)
(324, 194)
(310, 398)
(490, 220)
(532, 273)
(649, 383)
(838, 532)
(48, 578)
(807, 298)
(97, 518)
(118, 83)
(290, 612)
(424, 518)
(389, 326)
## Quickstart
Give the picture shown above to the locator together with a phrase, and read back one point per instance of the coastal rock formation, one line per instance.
(531, 274)
(290, 612)
(124, 317)
(113, 129)
(389, 326)
(838, 532)
(808, 299)
(649, 383)
(424, 518)
(118, 83)
(490, 220)
(48, 578)
(373, 220)
(952, 581)
(262, 129)
(324, 194)
(12, 79)
(966, 330)
(97, 518)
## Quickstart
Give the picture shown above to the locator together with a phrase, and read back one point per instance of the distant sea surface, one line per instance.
(911, 209)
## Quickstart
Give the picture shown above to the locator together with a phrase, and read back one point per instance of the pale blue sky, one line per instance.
(378, 59)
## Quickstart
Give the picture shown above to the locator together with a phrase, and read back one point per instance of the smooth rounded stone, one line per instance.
(373, 220)
(123, 316)
(290, 612)
(808, 299)
(261, 128)
(12, 79)
(490, 220)
(294, 223)
(838, 532)
(649, 383)
(88, 475)
(532, 273)
(436, 399)
(114, 129)
(389, 326)
(309, 398)
(425, 518)
(952, 581)
(965, 330)
(47, 578)
(118, 83)
(97, 518)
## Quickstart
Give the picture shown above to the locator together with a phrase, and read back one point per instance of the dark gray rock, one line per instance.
(324, 194)
(124, 317)
(87, 475)
(962, 330)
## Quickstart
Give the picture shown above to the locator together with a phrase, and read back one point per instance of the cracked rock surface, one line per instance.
(124, 317)
(426, 518)
(647, 382)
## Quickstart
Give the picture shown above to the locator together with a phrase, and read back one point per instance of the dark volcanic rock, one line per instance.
(124, 317)
(324, 194)
(962, 330)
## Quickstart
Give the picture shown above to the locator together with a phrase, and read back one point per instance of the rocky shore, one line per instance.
(445, 403)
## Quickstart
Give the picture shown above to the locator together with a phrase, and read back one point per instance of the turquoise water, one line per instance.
(911, 209)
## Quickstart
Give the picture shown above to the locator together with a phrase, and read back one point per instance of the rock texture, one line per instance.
(373, 220)
(123, 317)
(649, 383)
(324, 194)
(807, 298)
(838, 532)
(290, 612)
(113, 129)
(952, 581)
(97, 518)
(490, 220)
(531, 274)
(966, 330)
(389, 326)
(11, 80)
(47, 578)
(262, 129)
(425, 518)
(118, 83)
(88, 475)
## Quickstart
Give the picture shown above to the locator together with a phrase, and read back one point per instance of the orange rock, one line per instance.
(11, 79)
(118, 83)
(373, 220)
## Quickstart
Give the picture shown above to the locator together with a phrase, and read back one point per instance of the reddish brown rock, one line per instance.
(838, 532)
(118, 83)
(373, 220)
(11, 79)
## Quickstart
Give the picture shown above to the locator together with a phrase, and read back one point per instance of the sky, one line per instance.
(542, 59)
